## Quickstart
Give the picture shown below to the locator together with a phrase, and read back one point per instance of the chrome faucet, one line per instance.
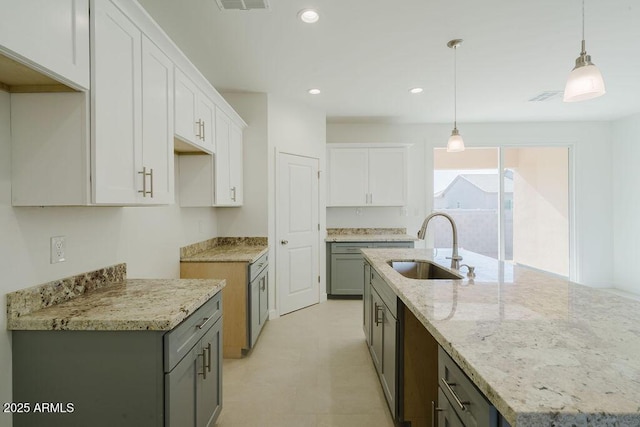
(455, 258)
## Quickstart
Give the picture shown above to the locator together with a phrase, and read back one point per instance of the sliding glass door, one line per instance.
(510, 203)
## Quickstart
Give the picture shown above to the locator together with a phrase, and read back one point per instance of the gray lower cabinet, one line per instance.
(258, 298)
(122, 378)
(459, 400)
(344, 265)
(382, 331)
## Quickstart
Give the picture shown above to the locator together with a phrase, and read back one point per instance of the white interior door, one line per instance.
(297, 261)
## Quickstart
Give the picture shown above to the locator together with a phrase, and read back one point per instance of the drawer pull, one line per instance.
(206, 320)
(460, 403)
(434, 414)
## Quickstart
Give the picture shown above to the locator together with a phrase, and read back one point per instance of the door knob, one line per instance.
(284, 242)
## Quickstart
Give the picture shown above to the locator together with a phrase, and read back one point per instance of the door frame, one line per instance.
(322, 293)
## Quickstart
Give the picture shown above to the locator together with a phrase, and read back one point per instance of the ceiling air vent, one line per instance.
(242, 4)
(546, 96)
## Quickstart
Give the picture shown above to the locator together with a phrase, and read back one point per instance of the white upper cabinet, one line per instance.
(157, 125)
(51, 37)
(114, 144)
(132, 126)
(194, 114)
(116, 119)
(228, 161)
(367, 175)
(214, 180)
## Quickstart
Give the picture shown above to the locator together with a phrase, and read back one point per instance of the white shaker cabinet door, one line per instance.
(157, 125)
(235, 164)
(50, 36)
(206, 112)
(117, 108)
(387, 176)
(187, 127)
(222, 170)
(348, 177)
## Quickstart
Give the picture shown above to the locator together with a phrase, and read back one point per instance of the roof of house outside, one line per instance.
(489, 183)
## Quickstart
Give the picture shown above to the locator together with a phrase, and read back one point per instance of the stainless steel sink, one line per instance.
(424, 270)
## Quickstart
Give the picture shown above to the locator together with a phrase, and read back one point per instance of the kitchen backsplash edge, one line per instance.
(205, 245)
(25, 301)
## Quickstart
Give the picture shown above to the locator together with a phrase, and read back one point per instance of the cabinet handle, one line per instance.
(377, 309)
(145, 174)
(284, 242)
(199, 131)
(151, 178)
(233, 194)
(460, 403)
(370, 198)
(208, 357)
(263, 284)
(206, 320)
(434, 414)
(203, 131)
(204, 364)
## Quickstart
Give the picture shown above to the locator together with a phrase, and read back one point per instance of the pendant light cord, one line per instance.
(584, 48)
(455, 86)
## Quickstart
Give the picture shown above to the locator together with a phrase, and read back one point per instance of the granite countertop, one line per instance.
(232, 249)
(545, 351)
(124, 304)
(368, 235)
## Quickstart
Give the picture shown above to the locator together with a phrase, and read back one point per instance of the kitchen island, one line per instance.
(102, 350)
(543, 350)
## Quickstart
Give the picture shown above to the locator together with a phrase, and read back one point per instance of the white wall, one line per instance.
(250, 220)
(147, 239)
(301, 130)
(626, 203)
(592, 153)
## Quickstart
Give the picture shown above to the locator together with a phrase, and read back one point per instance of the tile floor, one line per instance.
(310, 368)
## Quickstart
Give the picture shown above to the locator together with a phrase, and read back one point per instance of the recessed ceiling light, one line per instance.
(314, 91)
(416, 90)
(309, 16)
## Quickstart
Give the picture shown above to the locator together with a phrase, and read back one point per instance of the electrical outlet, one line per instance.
(58, 247)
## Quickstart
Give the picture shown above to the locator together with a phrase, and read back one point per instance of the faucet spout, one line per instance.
(455, 258)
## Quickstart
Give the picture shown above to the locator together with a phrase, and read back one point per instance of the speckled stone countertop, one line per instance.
(126, 304)
(238, 249)
(368, 235)
(545, 351)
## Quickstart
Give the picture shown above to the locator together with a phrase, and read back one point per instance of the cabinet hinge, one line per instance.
(318, 279)
(318, 174)
(318, 227)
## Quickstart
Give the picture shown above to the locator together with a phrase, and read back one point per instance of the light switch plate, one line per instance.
(58, 248)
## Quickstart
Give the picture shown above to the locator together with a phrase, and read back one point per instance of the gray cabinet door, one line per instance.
(209, 386)
(377, 311)
(264, 298)
(347, 274)
(180, 390)
(389, 348)
(366, 306)
(254, 312)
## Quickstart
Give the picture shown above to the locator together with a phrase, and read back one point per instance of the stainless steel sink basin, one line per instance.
(424, 270)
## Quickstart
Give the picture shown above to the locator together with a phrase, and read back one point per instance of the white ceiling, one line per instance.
(366, 54)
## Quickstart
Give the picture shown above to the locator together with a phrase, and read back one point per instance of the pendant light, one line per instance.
(585, 81)
(455, 142)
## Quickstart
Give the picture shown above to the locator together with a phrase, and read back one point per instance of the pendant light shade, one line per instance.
(585, 80)
(455, 143)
